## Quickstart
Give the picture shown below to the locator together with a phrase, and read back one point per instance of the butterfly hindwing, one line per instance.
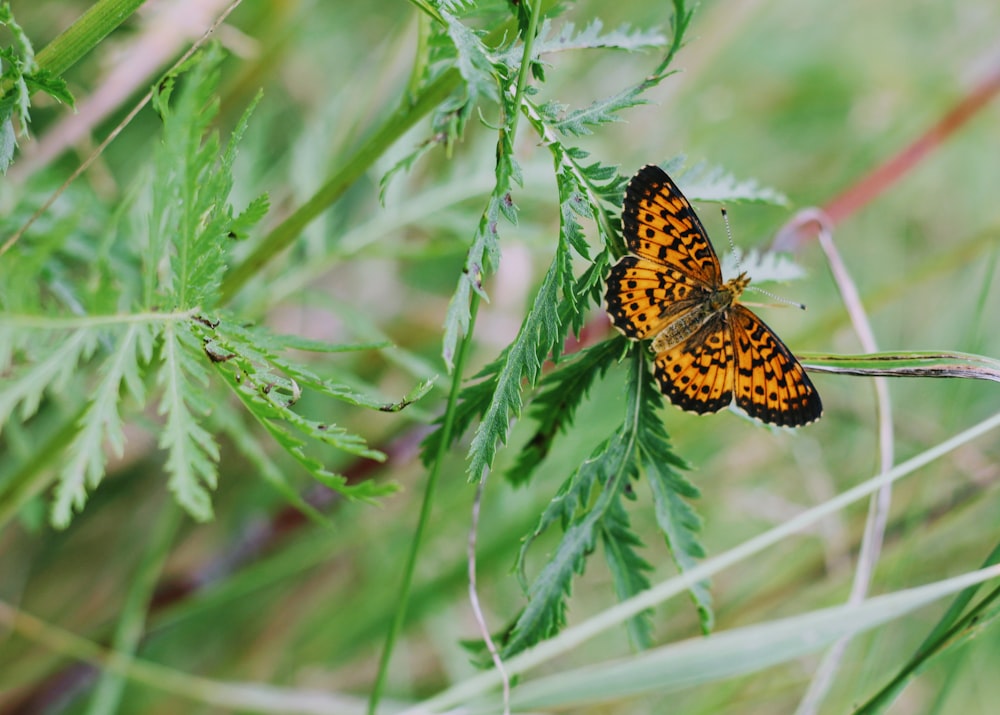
(697, 374)
(770, 383)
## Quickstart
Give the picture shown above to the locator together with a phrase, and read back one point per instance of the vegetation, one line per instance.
(314, 338)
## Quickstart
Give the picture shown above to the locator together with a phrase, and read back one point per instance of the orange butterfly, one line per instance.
(709, 348)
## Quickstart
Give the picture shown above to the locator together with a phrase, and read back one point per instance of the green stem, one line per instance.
(408, 114)
(425, 509)
(282, 236)
(522, 75)
(85, 34)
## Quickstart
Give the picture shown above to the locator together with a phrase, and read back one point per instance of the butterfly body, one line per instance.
(711, 350)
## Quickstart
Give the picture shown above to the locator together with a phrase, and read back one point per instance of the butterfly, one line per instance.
(711, 350)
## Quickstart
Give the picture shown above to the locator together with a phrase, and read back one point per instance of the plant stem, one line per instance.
(85, 34)
(408, 114)
(425, 509)
(282, 236)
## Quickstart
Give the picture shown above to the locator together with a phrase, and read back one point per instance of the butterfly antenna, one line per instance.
(732, 243)
(739, 265)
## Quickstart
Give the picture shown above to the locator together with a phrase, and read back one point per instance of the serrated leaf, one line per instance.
(704, 182)
(483, 257)
(269, 386)
(253, 214)
(192, 454)
(561, 393)
(675, 517)
(25, 387)
(271, 413)
(538, 335)
(256, 352)
(628, 569)
(192, 224)
(567, 38)
(101, 423)
(762, 266)
(604, 472)
(8, 140)
(579, 122)
(56, 87)
(588, 506)
(473, 61)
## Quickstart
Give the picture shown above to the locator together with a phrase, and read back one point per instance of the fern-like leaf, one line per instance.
(560, 394)
(712, 183)
(57, 358)
(192, 223)
(589, 506)
(628, 569)
(538, 335)
(101, 423)
(591, 37)
(472, 58)
(661, 467)
(192, 454)
(603, 473)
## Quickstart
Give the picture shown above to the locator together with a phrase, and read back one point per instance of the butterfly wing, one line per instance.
(770, 383)
(644, 297)
(658, 224)
(697, 374)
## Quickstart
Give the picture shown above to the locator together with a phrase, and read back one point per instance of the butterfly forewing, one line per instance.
(659, 224)
(644, 297)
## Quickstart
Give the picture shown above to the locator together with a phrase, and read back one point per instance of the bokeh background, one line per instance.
(805, 97)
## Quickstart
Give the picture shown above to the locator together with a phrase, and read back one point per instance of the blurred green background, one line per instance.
(805, 97)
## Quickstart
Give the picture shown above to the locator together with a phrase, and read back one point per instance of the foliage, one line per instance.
(160, 327)
(20, 75)
(157, 307)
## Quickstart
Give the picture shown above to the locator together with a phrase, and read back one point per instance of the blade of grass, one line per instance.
(132, 623)
(739, 651)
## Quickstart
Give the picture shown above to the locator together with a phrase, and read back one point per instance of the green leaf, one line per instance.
(588, 505)
(567, 38)
(941, 363)
(704, 182)
(192, 454)
(297, 342)
(473, 61)
(561, 393)
(256, 351)
(50, 84)
(269, 387)
(539, 333)
(580, 506)
(661, 467)
(628, 569)
(192, 224)
(255, 211)
(8, 139)
(57, 355)
(101, 423)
